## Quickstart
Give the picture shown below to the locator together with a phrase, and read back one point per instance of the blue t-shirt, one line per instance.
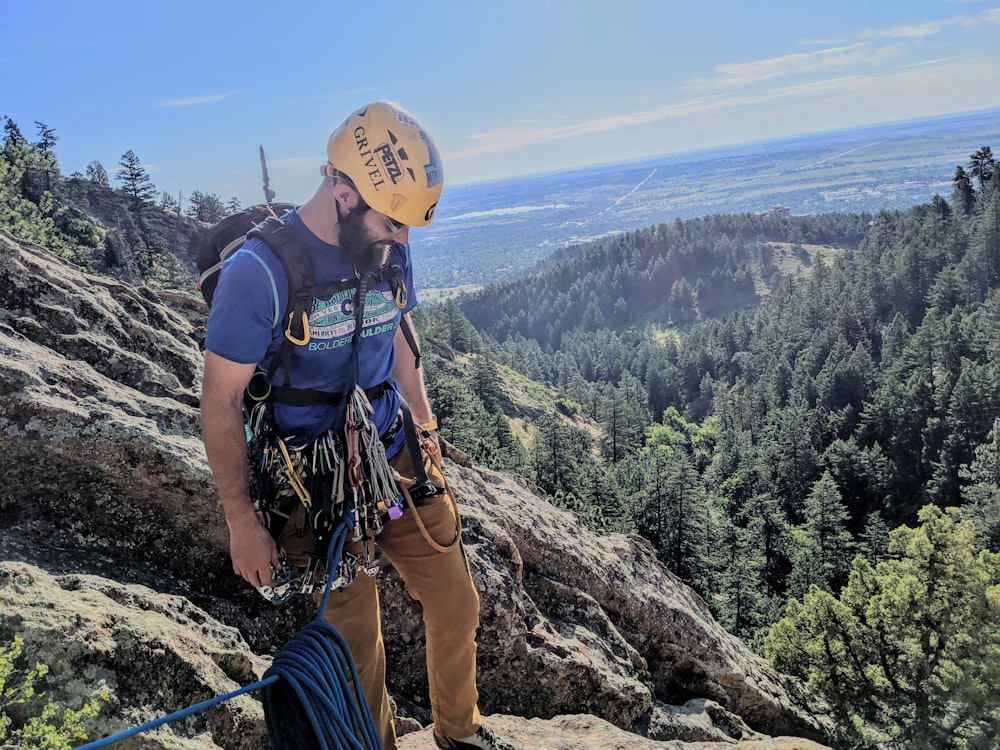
(245, 325)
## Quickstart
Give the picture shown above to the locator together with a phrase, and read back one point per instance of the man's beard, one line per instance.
(365, 254)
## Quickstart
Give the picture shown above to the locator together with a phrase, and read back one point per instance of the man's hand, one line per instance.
(431, 443)
(253, 550)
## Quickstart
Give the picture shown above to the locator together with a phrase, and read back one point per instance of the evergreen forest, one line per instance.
(837, 401)
(801, 414)
(790, 410)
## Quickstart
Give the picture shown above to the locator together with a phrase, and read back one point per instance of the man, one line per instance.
(350, 363)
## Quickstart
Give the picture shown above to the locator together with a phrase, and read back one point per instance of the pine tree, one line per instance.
(168, 202)
(135, 182)
(739, 598)
(625, 417)
(982, 164)
(47, 138)
(486, 382)
(981, 490)
(825, 556)
(684, 515)
(986, 231)
(548, 448)
(206, 207)
(875, 539)
(909, 654)
(963, 195)
(458, 332)
(17, 154)
(508, 453)
(562, 462)
(461, 415)
(97, 174)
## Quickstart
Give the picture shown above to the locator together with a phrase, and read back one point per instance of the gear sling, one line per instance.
(342, 474)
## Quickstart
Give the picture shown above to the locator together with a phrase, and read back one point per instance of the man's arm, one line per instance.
(409, 377)
(252, 549)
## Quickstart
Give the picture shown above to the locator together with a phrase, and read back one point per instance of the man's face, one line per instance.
(366, 236)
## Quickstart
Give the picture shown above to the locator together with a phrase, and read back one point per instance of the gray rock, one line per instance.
(154, 654)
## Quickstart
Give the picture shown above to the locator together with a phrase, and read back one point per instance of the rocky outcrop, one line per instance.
(117, 565)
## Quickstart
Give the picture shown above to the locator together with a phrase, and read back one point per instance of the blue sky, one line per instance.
(506, 88)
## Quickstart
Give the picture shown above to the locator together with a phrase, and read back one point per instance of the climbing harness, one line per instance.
(343, 474)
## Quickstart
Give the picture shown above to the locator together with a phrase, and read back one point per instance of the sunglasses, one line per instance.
(391, 224)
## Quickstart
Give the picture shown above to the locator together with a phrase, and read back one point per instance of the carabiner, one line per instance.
(400, 295)
(305, 328)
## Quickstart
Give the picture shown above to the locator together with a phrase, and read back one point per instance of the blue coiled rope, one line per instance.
(312, 694)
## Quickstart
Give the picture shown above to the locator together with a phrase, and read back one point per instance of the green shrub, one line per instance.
(568, 407)
(41, 724)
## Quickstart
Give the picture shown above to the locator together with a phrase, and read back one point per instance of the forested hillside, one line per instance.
(760, 450)
(791, 460)
(667, 274)
(129, 231)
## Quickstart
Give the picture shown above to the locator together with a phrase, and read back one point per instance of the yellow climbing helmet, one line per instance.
(392, 161)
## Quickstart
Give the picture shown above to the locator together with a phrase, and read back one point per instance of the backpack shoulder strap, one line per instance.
(395, 273)
(298, 272)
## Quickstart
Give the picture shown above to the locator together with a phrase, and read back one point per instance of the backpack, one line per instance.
(225, 238)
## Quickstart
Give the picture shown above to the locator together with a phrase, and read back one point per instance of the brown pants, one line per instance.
(440, 581)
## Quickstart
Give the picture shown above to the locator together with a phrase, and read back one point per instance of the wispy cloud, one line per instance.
(911, 30)
(832, 59)
(936, 61)
(197, 100)
(869, 52)
(336, 95)
(521, 134)
(930, 28)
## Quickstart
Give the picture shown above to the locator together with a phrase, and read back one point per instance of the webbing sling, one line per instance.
(416, 455)
(313, 397)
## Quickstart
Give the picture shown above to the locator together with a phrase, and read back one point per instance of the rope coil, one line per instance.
(313, 705)
(312, 694)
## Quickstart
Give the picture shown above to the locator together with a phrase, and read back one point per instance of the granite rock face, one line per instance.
(116, 559)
